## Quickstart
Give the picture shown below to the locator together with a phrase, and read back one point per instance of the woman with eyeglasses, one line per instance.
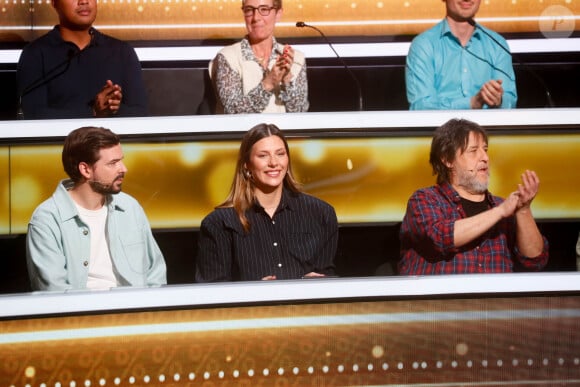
(258, 74)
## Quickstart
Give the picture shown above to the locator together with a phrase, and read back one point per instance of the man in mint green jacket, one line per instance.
(88, 234)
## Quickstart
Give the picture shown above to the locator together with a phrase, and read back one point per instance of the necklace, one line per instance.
(262, 59)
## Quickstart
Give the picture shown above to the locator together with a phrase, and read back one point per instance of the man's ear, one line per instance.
(447, 163)
(85, 170)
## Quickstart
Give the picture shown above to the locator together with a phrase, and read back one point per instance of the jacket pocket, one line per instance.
(135, 251)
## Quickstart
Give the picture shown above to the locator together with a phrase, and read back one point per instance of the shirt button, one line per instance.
(275, 244)
(279, 265)
(86, 263)
(273, 222)
(85, 232)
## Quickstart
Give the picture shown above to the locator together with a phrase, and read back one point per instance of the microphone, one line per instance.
(301, 24)
(104, 188)
(51, 74)
(549, 99)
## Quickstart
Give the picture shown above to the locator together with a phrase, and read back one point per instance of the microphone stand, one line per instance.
(301, 24)
(524, 65)
(43, 80)
(51, 74)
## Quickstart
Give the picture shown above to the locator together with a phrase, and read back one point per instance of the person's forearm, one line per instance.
(295, 101)
(254, 102)
(528, 237)
(295, 94)
(468, 229)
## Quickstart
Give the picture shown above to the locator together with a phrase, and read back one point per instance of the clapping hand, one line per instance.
(490, 94)
(521, 199)
(108, 100)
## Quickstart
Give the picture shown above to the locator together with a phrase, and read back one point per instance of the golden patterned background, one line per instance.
(366, 179)
(485, 342)
(218, 19)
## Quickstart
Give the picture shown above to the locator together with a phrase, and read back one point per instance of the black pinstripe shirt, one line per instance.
(301, 237)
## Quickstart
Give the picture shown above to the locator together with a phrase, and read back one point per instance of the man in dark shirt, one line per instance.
(458, 226)
(74, 71)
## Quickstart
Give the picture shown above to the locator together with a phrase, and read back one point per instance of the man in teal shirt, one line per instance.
(88, 234)
(458, 64)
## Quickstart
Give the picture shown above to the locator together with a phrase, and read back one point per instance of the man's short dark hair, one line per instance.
(83, 145)
(447, 140)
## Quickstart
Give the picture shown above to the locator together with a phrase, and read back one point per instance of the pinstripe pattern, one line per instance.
(427, 238)
(300, 238)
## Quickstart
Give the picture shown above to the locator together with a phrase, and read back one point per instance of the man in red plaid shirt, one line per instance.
(458, 226)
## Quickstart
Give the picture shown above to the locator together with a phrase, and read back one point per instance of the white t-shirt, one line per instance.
(101, 272)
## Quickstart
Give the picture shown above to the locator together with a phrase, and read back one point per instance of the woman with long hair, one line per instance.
(267, 228)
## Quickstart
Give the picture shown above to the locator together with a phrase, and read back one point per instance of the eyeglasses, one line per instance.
(263, 10)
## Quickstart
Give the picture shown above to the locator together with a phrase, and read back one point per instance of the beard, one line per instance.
(106, 188)
(468, 180)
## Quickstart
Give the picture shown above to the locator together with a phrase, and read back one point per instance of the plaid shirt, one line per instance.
(427, 235)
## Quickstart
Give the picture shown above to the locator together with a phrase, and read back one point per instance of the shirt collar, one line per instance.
(446, 31)
(69, 211)
(287, 201)
(248, 54)
(448, 191)
(56, 38)
(66, 206)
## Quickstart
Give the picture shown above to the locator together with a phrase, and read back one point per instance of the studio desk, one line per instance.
(484, 330)
(463, 330)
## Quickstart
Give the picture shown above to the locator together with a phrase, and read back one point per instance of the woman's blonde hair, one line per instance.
(241, 196)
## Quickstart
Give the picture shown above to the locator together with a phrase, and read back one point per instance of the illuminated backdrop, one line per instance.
(214, 19)
(367, 179)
